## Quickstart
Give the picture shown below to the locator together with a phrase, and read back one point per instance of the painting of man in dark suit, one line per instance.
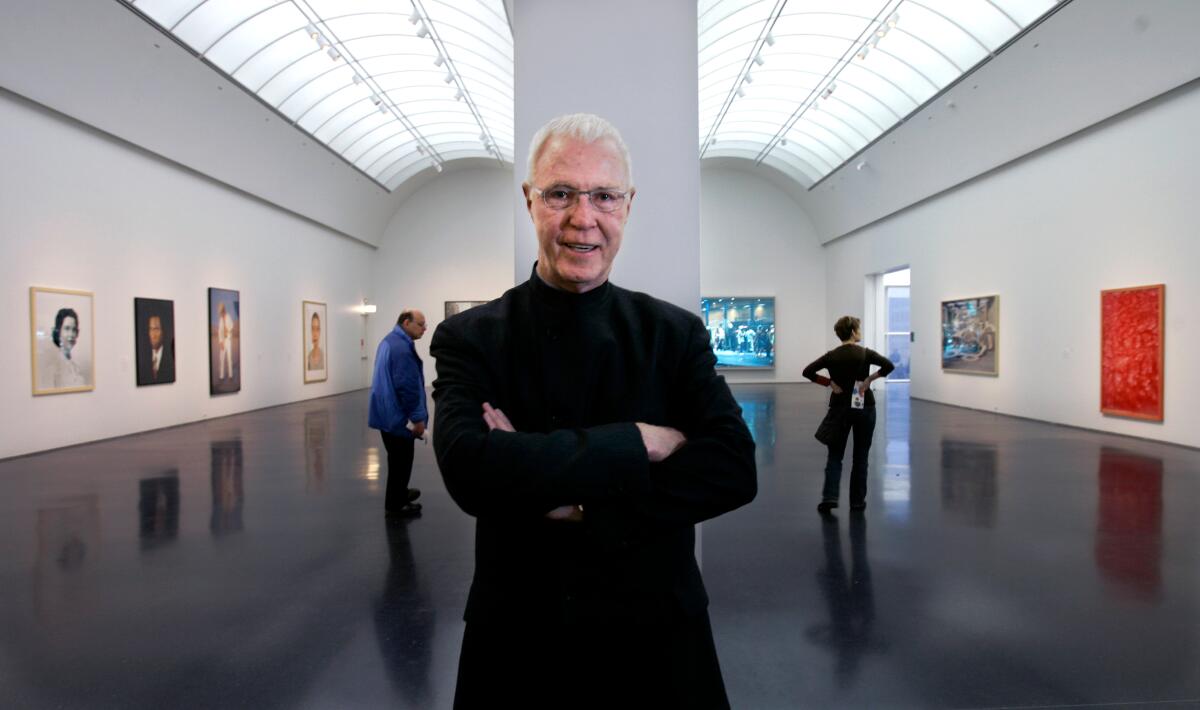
(154, 323)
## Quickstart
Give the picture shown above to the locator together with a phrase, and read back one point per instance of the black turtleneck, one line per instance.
(574, 373)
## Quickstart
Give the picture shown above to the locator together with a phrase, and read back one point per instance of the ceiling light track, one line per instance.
(875, 30)
(454, 78)
(379, 96)
(765, 39)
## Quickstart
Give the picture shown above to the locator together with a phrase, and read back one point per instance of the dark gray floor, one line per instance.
(245, 562)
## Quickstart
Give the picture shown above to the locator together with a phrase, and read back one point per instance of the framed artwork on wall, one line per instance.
(225, 341)
(741, 330)
(1131, 351)
(456, 307)
(154, 339)
(315, 329)
(971, 336)
(61, 341)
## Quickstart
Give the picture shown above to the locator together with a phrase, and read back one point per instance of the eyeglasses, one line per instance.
(603, 199)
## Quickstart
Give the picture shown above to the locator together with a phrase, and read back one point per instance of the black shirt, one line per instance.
(574, 373)
(846, 365)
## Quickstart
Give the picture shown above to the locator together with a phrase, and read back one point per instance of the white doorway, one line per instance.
(897, 322)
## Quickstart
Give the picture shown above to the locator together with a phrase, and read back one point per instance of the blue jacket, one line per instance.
(398, 385)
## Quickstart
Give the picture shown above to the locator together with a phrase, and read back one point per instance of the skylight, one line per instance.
(393, 87)
(804, 85)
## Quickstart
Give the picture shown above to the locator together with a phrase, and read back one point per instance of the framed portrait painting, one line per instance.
(455, 307)
(225, 341)
(971, 336)
(154, 339)
(315, 332)
(61, 340)
(741, 330)
(1131, 351)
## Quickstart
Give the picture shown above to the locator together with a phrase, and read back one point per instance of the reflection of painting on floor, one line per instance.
(1131, 352)
(1129, 545)
(68, 545)
(227, 491)
(971, 335)
(158, 509)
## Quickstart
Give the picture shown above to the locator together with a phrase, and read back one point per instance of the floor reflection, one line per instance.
(316, 449)
(896, 485)
(758, 411)
(227, 491)
(404, 620)
(158, 510)
(1129, 523)
(849, 599)
(68, 547)
(969, 489)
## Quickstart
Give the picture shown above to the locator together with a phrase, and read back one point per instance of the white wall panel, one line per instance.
(1109, 208)
(451, 241)
(755, 240)
(1090, 60)
(100, 63)
(88, 212)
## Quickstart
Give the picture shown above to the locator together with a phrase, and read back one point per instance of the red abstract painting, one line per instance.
(1131, 351)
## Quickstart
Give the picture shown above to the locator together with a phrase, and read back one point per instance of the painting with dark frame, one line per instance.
(971, 336)
(225, 341)
(154, 339)
(741, 331)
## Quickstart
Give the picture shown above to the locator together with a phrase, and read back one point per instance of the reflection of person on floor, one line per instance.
(405, 621)
(224, 343)
(849, 598)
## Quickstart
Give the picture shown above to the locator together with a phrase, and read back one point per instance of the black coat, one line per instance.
(574, 372)
(166, 367)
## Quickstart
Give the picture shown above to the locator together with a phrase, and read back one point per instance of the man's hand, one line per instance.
(567, 513)
(495, 419)
(418, 430)
(834, 386)
(660, 441)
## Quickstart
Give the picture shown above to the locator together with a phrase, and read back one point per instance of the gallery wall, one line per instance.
(87, 211)
(1107, 208)
(104, 65)
(649, 90)
(451, 241)
(755, 240)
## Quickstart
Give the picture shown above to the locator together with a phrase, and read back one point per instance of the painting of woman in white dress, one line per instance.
(61, 340)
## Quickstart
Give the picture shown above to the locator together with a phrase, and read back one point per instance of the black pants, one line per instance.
(862, 423)
(400, 460)
(536, 665)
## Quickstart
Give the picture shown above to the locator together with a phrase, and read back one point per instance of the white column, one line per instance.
(634, 63)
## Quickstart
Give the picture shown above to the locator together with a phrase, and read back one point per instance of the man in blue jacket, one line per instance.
(398, 398)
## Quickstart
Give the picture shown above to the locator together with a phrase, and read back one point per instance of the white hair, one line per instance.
(587, 127)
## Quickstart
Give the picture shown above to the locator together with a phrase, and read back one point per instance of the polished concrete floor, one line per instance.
(246, 562)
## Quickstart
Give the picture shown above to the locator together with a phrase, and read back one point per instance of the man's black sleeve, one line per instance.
(715, 471)
(497, 472)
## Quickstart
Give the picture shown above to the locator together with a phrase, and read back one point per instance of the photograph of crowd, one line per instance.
(741, 330)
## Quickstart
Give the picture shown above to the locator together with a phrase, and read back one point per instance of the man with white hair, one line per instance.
(584, 427)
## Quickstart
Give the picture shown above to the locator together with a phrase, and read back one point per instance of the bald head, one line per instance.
(412, 321)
